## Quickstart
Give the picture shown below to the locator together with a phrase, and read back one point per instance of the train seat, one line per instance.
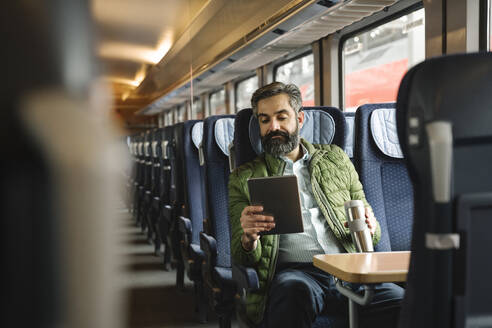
(139, 180)
(154, 210)
(166, 213)
(444, 126)
(191, 220)
(145, 191)
(188, 201)
(322, 125)
(218, 133)
(384, 175)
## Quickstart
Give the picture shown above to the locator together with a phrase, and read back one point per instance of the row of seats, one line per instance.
(181, 199)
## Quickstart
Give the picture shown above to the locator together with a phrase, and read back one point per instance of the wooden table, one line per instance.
(363, 268)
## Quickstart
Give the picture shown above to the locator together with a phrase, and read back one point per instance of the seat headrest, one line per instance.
(384, 132)
(146, 148)
(154, 148)
(224, 133)
(318, 128)
(349, 136)
(197, 134)
(140, 148)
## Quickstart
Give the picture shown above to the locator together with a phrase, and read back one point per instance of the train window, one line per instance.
(175, 115)
(217, 103)
(197, 109)
(376, 60)
(299, 71)
(170, 117)
(181, 113)
(244, 91)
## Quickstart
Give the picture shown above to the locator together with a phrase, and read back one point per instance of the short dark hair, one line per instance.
(277, 88)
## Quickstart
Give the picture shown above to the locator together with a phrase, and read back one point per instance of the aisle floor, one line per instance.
(152, 297)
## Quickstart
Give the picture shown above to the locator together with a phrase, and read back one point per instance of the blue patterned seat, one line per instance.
(322, 125)
(165, 221)
(384, 175)
(138, 182)
(154, 210)
(145, 188)
(190, 221)
(218, 132)
(444, 125)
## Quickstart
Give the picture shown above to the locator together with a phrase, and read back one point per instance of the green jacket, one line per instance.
(334, 180)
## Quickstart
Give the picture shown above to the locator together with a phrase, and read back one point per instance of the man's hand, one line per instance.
(252, 224)
(370, 221)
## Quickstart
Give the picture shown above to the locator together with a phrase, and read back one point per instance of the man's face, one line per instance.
(279, 125)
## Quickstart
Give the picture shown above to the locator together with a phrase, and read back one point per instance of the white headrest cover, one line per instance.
(146, 148)
(318, 128)
(383, 129)
(154, 148)
(197, 134)
(349, 136)
(224, 133)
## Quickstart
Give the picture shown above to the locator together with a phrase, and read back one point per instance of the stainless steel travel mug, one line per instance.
(356, 218)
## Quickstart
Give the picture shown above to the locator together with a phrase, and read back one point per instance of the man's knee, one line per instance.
(292, 287)
(389, 292)
(294, 300)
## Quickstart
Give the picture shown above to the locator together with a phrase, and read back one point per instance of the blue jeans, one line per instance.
(299, 293)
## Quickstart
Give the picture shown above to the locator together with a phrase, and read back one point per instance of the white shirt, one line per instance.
(317, 237)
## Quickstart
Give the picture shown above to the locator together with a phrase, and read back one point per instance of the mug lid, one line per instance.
(353, 203)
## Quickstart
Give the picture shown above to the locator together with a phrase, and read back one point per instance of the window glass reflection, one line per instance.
(244, 91)
(180, 113)
(300, 72)
(217, 103)
(196, 109)
(170, 117)
(376, 60)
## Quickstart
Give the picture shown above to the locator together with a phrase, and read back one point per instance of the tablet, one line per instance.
(279, 197)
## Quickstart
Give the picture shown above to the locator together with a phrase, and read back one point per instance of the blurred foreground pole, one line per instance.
(59, 173)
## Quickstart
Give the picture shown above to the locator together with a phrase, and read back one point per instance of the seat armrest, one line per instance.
(196, 252)
(246, 278)
(209, 247)
(167, 213)
(184, 225)
(184, 230)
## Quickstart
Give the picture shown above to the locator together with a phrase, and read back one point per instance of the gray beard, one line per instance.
(280, 146)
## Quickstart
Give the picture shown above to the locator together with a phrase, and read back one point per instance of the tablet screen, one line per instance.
(279, 197)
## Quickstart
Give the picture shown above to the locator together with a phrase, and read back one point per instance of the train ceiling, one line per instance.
(152, 49)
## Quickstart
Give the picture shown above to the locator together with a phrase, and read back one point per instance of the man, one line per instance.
(292, 291)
